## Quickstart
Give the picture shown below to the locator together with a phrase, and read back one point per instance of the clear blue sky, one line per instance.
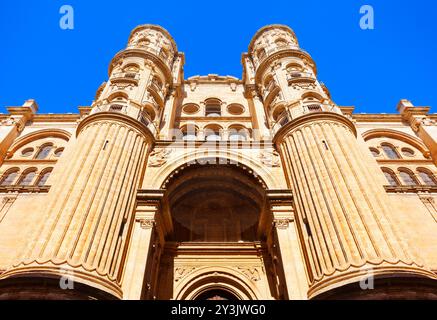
(372, 70)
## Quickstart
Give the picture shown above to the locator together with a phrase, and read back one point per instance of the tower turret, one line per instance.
(142, 76)
(285, 76)
(89, 211)
(344, 218)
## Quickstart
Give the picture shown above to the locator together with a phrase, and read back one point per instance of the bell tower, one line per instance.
(343, 216)
(89, 211)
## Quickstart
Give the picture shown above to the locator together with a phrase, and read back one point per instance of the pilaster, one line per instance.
(421, 123)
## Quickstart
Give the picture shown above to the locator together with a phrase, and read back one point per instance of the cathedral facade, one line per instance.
(213, 187)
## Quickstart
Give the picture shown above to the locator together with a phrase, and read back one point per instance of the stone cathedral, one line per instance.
(217, 188)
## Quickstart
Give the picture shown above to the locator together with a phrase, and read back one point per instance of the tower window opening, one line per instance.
(44, 152)
(390, 152)
(27, 178)
(213, 110)
(391, 177)
(427, 177)
(9, 178)
(116, 108)
(314, 108)
(408, 178)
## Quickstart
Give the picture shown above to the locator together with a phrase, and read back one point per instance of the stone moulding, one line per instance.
(384, 270)
(52, 271)
(312, 117)
(117, 117)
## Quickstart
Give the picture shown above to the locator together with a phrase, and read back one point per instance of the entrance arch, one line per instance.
(210, 281)
(217, 220)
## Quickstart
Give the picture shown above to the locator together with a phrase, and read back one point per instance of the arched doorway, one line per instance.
(217, 216)
(217, 294)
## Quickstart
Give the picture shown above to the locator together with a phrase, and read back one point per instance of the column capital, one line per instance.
(415, 116)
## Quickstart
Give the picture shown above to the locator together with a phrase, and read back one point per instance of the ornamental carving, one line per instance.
(428, 122)
(9, 122)
(252, 273)
(181, 272)
(147, 223)
(303, 86)
(270, 158)
(159, 157)
(282, 223)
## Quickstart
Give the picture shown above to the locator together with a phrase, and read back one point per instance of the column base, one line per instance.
(389, 282)
(44, 283)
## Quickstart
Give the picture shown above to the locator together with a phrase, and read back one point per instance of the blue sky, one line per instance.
(371, 70)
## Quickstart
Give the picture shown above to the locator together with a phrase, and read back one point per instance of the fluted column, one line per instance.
(343, 216)
(89, 210)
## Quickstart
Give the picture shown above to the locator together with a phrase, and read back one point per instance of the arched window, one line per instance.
(238, 133)
(427, 177)
(59, 152)
(189, 133)
(408, 177)
(390, 151)
(408, 152)
(9, 177)
(27, 178)
(42, 180)
(212, 133)
(375, 152)
(213, 108)
(27, 152)
(281, 42)
(261, 53)
(391, 177)
(44, 152)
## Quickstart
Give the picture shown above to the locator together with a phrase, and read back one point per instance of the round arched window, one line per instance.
(407, 152)
(59, 152)
(27, 152)
(190, 108)
(375, 152)
(235, 109)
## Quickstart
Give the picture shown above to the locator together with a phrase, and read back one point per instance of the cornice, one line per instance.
(313, 117)
(383, 117)
(24, 189)
(216, 145)
(147, 56)
(117, 117)
(157, 28)
(213, 78)
(270, 27)
(411, 189)
(299, 53)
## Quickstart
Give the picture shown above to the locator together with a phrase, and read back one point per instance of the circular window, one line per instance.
(59, 152)
(407, 152)
(190, 108)
(236, 109)
(27, 152)
(375, 152)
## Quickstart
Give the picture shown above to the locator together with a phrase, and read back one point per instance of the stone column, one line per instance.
(343, 217)
(289, 248)
(422, 125)
(89, 211)
(258, 113)
(140, 268)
